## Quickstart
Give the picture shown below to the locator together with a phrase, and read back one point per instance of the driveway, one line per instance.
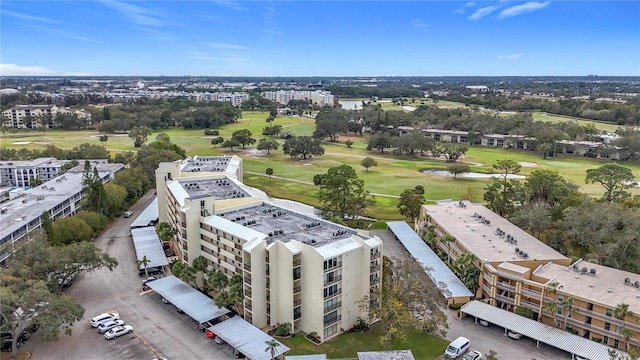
(482, 338)
(159, 331)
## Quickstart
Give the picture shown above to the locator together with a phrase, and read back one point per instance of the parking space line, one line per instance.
(159, 356)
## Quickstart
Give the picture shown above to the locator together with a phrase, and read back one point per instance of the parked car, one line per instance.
(7, 345)
(24, 336)
(514, 335)
(473, 355)
(148, 280)
(104, 317)
(484, 323)
(118, 331)
(106, 326)
(128, 214)
(150, 271)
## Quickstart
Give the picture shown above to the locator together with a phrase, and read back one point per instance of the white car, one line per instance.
(104, 317)
(473, 355)
(104, 327)
(118, 331)
(514, 335)
(128, 214)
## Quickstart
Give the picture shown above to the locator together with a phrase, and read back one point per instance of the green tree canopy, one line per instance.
(368, 162)
(268, 144)
(411, 201)
(71, 230)
(302, 146)
(139, 135)
(343, 193)
(614, 178)
(243, 137)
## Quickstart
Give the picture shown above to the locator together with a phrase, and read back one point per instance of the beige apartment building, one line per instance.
(297, 268)
(518, 270)
(27, 116)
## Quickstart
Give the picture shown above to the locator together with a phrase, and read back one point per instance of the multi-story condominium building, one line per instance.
(18, 173)
(61, 197)
(446, 135)
(28, 116)
(235, 99)
(518, 270)
(297, 268)
(318, 97)
(38, 116)
(508, 141)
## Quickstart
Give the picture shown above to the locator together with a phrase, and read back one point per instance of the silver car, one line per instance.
(118, 331)
(104, 327)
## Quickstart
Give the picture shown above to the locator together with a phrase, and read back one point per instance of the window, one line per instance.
(296, 273)
(330, 330)
(605, 340)
(609, 311)
(328, 264)
(616, 343)
(331, 290)
(607, 326)
(560, 297)
(331, 316)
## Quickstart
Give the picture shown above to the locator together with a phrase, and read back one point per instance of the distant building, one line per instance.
(446, 135)
(479, 88)
(61, 197)
(28, 116)
(17, 173)
(297, 268)
(318, 97)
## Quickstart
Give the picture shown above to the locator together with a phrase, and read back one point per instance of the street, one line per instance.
(159, 330)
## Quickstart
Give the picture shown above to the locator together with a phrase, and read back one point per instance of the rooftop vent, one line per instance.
(584, 270)
(517, 249)
(637, 284)
(592, 271)
(627, 281)
(4, 211)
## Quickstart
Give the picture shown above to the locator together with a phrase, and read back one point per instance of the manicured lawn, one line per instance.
(557, 119)
(424, 346)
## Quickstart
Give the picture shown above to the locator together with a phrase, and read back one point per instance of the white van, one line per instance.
(104, 317)
(457, 348)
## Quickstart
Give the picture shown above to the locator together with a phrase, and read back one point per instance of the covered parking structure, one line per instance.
(454, 291)
(246, 338)
(576, 345)
(147, 243)
(198, 306)
(148, 216)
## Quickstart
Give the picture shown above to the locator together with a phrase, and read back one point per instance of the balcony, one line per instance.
(329, 309)
(338, 264)
(504, 299)
(247, 279)
(375, 281)
(610, 319)
(532, 306)
(530, 293)
(333, 280)
(247, 267)
(297, 302)
(338, 292)
(296, 263)
(375, 255)
(505, 286)
(374, 268)
(247, 293)
(297, 289)
(248, 306)
(332, 320)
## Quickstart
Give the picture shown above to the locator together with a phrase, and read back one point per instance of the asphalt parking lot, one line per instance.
(159, 330)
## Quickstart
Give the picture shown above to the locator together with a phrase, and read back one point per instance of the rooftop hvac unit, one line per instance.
(637, 284)
(592, 271)
(517, 249)
(584, 270)
(525, 255)
(627, 281)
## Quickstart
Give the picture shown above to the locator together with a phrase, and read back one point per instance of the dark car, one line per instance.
(24, 336)
(8, 346)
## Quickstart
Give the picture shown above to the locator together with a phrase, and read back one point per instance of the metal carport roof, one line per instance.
(246, 338)
(306, 357)
(439, 272)
(195, 304)
(386, 355)
(148, 216)
(563, 340)
(147, 243)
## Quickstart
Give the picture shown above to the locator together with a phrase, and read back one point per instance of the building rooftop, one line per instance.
(441, 131)
(39, 162)
(487, 235)
(21, 211)
(278, 223)
(206, 164)
(220, 188)
(596, 283)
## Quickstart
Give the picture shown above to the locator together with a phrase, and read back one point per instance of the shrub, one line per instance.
(283, 329)
(596, 339)
(211, 132)
(455, 306)
(522, 311)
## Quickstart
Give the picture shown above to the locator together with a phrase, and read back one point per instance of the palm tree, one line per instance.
(272, 346)
(188, 274)
(627, 335)
(621, 312)
(200, 265)
(448, 239)
(551, 307)
(569, 307)
(144, 262)
(236, 293)
(218, 280)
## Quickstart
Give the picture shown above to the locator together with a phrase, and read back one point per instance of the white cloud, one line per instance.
(30, 17)
(482, 12)
(136, 14)
(510, 57)
(225, 46)
(18, 70)
(469, 4)
(419, 24)
(523, 9)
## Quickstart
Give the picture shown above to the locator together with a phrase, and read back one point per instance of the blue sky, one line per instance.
(319, 38)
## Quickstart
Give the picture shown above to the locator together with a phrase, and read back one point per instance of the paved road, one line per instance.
(482, 339)
(159, 331)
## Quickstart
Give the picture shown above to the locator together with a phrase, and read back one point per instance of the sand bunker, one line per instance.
(470, 174)
(42, 142)
(21, 142)
(528, 164)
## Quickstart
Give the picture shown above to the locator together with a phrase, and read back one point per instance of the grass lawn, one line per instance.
(540, 116)
(424, 346)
